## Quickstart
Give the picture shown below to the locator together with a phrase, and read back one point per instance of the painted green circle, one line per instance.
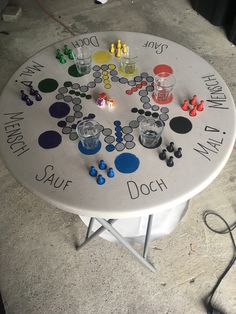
(88, 96)
(72, 70)
(67, 84)
(47, 85)
(77, 93)
(71, 92)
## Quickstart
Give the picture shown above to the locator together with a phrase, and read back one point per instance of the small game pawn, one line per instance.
(185, 106)
(71, 54)
(170, 147)
(102, 165)
(118, 53)
(110, 173)
(23, 95)
(178, 153)
(193, 101)
(28, 101)
(62, 59)
(66, 50)
(38, 97)
(193, 112)
(124, 48)
(170, 162)
(112, 50)
(162, 155)
(32, 91)
(58, 53)
(93, 171)
(200, 107)
(100, 179)
(118, 44)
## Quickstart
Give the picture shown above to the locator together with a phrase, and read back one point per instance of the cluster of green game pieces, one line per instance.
(67, 51)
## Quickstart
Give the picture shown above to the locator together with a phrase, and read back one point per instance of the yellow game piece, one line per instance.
(124, 48)
(118, 52)
(112, 50)
(118, 44)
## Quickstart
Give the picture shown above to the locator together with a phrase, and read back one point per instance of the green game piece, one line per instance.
(66, 50)
(62, 59)
(58, 54)
(71, 55)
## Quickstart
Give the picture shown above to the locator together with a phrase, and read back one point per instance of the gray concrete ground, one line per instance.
(40, 272)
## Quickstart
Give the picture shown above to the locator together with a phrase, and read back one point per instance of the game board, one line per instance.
(40, 144)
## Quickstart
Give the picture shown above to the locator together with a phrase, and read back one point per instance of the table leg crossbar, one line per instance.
(107, 225)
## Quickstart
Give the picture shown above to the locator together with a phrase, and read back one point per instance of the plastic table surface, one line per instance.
(40, 146)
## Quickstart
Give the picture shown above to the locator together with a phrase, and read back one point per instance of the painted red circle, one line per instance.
(139, 85)
(129, 92)
(134, 89)
(144, 83)
(163, 70)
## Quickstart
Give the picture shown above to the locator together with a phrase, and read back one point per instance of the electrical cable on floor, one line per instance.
(53, 17)
(229, 229)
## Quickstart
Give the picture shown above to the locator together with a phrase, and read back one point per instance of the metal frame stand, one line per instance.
(107, 225)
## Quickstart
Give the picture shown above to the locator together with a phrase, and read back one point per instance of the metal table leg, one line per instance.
(119, 237)
(147, 238)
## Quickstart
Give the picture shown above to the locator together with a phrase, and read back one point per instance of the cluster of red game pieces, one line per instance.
(135, 88)
(192, 106)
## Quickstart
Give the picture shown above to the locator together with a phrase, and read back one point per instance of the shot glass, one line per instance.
(128, 61)
(164, 83)
(89, 132)
(150, 132)
(83, 60)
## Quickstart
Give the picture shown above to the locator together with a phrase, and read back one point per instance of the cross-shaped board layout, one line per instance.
(46, 98)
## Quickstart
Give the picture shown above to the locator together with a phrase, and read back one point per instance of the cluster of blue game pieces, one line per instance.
(102, 166)
(33, 92)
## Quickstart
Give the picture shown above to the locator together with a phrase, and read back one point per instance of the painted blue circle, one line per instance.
(127, 163)
(59, 109)
(117, 123)
(119, 139)
(49, 139)
(118, 129)
(110, 147)
(85, 151)
(118, 134)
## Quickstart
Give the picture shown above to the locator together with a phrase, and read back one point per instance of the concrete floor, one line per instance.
(40, 272)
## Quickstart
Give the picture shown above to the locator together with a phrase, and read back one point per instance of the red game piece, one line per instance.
(193, 101)
(200, 107)
(193, 112)
(185, 105)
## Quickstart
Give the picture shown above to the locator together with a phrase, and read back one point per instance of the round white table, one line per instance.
(40, 146)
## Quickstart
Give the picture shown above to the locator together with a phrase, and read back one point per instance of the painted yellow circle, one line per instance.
(108, 86)
(105, 77)
(106, 81)
(104, 73)
(111, 66)
(101, 56)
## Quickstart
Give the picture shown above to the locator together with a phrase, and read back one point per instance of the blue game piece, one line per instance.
(28, 101)
(37, 96)
(32, 91)
(93, 172)
(110, 173)
(23, 95)
(102, 165)
(100, 179)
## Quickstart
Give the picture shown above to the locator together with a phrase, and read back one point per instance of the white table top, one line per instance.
(206, 147)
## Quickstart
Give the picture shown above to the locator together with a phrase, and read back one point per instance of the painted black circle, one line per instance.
(155, 115)
(134, 110)
(181, 125)
(148, 113)
(141, 111)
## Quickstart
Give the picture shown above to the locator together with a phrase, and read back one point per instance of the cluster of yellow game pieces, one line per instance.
(118, 49)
